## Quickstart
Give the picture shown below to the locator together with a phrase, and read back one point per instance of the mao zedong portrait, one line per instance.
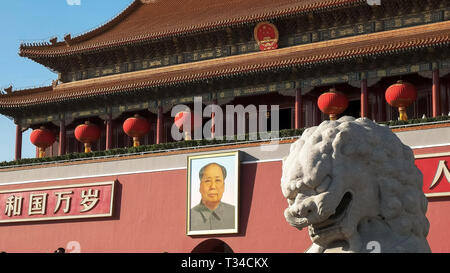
(211, 213)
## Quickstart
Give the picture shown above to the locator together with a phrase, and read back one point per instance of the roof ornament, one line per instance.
(67, 39)
(8, 90)
(55, 83)
(53, 40)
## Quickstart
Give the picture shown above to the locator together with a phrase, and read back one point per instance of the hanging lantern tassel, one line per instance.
(187, 135)
(87, 147)
(403, 115)
(136, 142)
(41, 152)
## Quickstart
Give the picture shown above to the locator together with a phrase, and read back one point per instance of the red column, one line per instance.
(109, 132)
(159, 126)
(364, 99)
(298, 109)
(436, 92)
(18, 154)
(62, 138)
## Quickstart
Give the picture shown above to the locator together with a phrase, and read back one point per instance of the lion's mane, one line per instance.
(375, 152)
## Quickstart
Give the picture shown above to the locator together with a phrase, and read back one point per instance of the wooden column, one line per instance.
(213, 120)
(436, 93)
(18, 151)
(298, 109)
(382, 105)
(317, 114)
(109, 132)
(374, 108)
(446, 109)
(62, 138)
(159, 126)
(311, 113)
(364, 99)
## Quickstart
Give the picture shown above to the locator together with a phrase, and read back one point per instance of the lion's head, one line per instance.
(352, 182)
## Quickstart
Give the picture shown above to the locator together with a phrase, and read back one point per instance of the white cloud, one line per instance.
(73, 2)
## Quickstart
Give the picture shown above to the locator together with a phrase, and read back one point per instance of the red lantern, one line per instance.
(87, 133)
(401, 95)
(136, 127)
(42, 138)
(183, 117)
(332, 103)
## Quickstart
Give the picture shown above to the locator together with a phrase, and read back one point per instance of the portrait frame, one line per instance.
(196, 224)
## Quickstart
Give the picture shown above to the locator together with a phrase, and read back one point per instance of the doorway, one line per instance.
(212, 246)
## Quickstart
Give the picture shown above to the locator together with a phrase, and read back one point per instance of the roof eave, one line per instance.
(45, 50)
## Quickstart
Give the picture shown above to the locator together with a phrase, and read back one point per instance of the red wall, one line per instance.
(439, 217)
(150, 217)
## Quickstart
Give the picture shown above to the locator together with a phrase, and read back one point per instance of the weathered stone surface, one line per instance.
(354, 184)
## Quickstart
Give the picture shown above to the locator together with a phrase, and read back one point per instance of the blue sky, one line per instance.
(35, 21)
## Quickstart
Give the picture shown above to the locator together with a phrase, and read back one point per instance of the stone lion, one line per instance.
(354, 184)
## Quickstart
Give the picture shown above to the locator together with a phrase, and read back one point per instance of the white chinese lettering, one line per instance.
(38, 203)
(442, 169)
(90, 199)
(13, 206)
(62, 198)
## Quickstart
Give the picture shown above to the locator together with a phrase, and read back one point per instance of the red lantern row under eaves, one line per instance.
(400, 95)
(89, 133)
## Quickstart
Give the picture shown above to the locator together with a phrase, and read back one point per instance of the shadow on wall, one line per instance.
(247, 183)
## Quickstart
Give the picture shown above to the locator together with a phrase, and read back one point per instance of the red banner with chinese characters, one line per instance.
(57, 203)
(436, 174)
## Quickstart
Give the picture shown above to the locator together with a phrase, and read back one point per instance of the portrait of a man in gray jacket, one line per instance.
(211, 213)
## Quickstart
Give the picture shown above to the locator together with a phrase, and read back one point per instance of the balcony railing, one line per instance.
(192, 145)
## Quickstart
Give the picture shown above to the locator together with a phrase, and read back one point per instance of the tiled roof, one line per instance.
(321, 52)
(164, 18)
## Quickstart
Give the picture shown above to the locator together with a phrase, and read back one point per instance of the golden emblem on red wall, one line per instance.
(266, 34)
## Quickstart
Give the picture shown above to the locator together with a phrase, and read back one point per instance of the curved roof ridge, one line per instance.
(148, 24)
(90, 33)
(388, 42)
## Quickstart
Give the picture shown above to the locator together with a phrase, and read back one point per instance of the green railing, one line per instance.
(192, 144)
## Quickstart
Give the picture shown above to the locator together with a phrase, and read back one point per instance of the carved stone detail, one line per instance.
(354, 185)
